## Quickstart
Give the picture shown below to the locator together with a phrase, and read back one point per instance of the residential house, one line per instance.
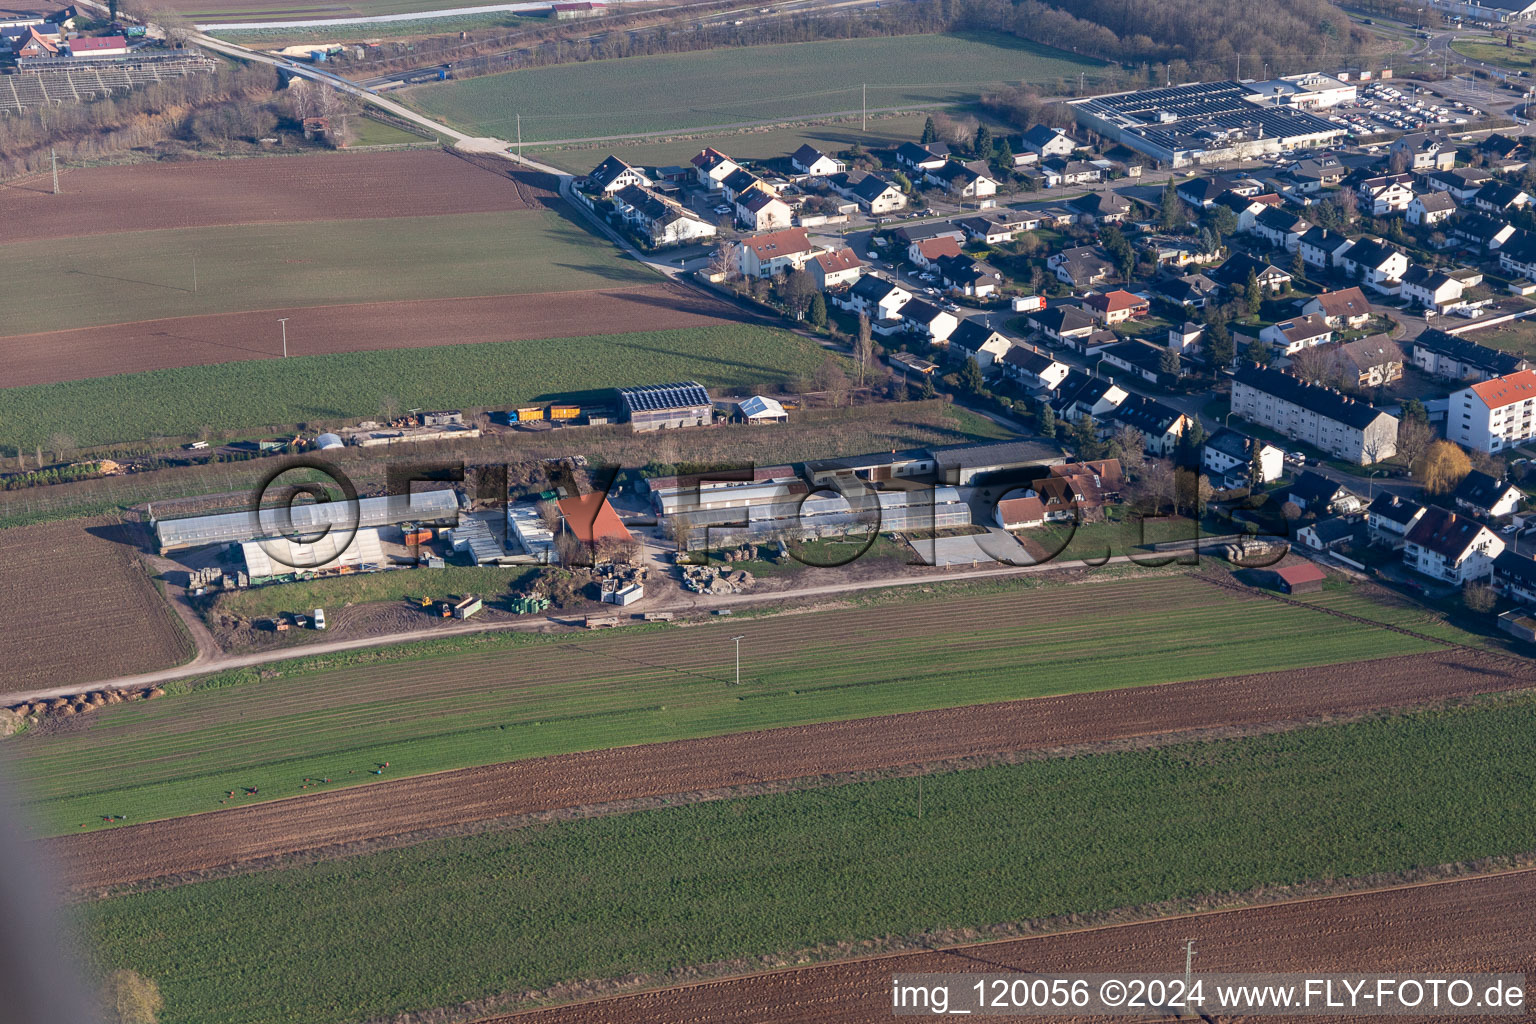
(1062, 171)
(1201, 193)
(921, 159)
(1314, 174)
(1322, 417)
(1375, 264)
(1371, 362)
(1117, 306)
(1234, 273)
(661, 220)
(1385, 195)
(909, 233)
(875, 195)
(1064, 324)
(1481, 231)
(1487, 497)
(1291, 336)
(774, 253)
(973, 339)
(32, 43)
(968, 276)
(1047, 142)
(926, 320)
(1100, 208)
(1499, 147)
(1192, 291)
(1320, 247)
(1187, 339)
(991, 228)
(759, 209)
(1495, 414)
(613, 175)
(969, 181)
(875, 297)
(1175, 251)
(1245, 209)
(1280, 228)
(1389, 519)
(835, 269)
(1430, 208)
(1331, 534)
(1020, 513)
(1461, 182)
(1425, 151)
(1315, 493)
(1514, 575)
(1230, 454)
(1081, 394)
(1450, 547)
(810, 160)
(1345, 308)
(1445, 355)
(1517, 256)
(1136, 357)
(712, 167)
(926, 252)
(1161, 425)
(1430, 289)
(1082, 267)
(1033, 368)
(1497, 197)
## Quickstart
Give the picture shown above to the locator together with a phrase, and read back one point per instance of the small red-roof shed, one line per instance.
(1301, 578)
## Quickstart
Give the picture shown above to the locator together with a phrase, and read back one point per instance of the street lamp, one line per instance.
(738, 640)
(284, 321)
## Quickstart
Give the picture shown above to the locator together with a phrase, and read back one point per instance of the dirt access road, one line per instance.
(1485, 924)
(608, 778)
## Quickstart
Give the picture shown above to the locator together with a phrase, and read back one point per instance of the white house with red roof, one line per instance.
(835, 269)
(925, 252)
(1116, 306)
(712, 167)
(1495, 414)
(98, 46)
(775, 252)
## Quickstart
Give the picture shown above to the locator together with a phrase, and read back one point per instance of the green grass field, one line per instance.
(719, 87)
(330, 389)
(656, 890)
(490, 698)
(758, 144)
(397, 585)
(234, 11)
(1491, 50)
(368, 132)
(143, 275)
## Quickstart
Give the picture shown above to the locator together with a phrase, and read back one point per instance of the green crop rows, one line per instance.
(727, 86)
(452, 920)
(331, 389)
(499, 697)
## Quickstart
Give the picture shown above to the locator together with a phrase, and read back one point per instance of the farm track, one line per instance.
(233, 337)
(208, 193)
(185, 846)
(1483, 924)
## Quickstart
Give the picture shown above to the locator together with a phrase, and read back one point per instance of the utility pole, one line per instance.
(284, 321)
(55, 160)
(519, 136)
(1189, 962)
(194, 273)
(738, 658)
(864, 117)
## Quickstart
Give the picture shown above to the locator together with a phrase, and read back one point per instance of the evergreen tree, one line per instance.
(927, 389)
(1219, 346)
(1298, 265)
(1004, 156)
(1255, 294)
(1169, 363)
(930, 132)
(1257, 352)
(1046, 423)
(1256, 463)
(970, 377)
(818, 313)
(984, 143)
(1172, 216)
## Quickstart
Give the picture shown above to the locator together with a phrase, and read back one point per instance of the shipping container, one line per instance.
(467, 607)
(564, 412)
(415, 537)
(529, 413)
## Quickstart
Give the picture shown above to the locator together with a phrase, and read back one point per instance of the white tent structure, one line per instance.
(277, 556)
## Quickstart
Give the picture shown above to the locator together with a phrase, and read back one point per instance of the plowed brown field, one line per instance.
(221, 838)
(231, 337)
(76, 606)
(206, 193)
(1478, 924)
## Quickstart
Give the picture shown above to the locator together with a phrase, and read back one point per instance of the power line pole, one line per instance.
(864, 117)
(194, 273)
(1189, 962)
(284, 321)
(738, 658)
(519, 136)
(54, 158)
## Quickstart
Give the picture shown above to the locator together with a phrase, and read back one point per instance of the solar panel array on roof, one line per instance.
(651, 397)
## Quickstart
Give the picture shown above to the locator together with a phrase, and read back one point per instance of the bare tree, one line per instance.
(389, 407)
(863, 350)
(549, 513)
(1413, 437)
(62, 446)
(1318, 363)
(722, 261)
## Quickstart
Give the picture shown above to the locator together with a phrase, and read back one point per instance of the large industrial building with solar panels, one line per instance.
(1218, 121)
(662, 406)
